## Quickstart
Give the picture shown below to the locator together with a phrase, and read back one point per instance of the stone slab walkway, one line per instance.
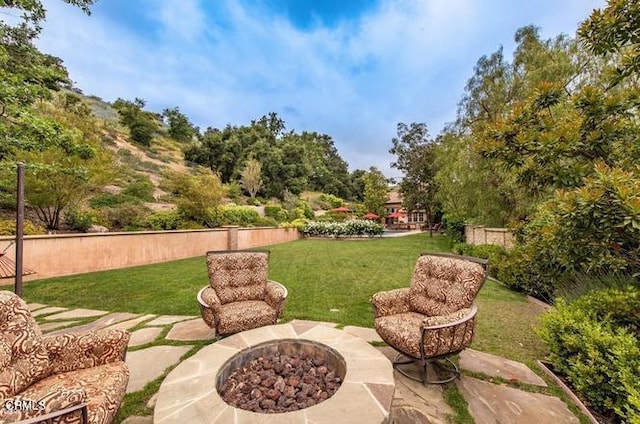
(412, 402)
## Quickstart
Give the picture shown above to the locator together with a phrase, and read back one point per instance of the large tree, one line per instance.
(415, 157)
(376, 191)
(180, 128)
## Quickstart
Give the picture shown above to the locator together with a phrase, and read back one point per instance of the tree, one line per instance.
(252, 177)
(415, 157)
(614, 29)
(197, 196)
(376, 191)
(142, 125)
(179, 126)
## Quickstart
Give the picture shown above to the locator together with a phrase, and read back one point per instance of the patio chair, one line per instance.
(64, 378)
(239, 296)
(435, 317)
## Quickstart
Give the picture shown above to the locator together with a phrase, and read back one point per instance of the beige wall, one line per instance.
(56, 255)
(481, 235)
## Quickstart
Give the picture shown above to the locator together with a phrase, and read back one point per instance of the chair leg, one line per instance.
(445, 365)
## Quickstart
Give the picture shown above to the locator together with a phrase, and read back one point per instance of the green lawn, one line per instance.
(328, 280)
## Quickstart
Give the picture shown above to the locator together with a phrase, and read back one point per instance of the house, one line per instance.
(397, 216)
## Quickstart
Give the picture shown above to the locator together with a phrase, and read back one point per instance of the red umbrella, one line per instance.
(370, 215)
(395, 215)
(341, 209)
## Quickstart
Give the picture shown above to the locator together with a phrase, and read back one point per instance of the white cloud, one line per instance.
(402, 61)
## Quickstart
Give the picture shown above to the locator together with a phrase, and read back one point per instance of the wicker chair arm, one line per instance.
(275, 295)
(391, 302)
(208, 298)
(452, 320)
(68, 352)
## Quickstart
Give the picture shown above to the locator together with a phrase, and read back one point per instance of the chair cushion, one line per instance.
(442, 285)
(23, 357)
(240, 316)
(238, 276)
(403, 332)
(104, 385)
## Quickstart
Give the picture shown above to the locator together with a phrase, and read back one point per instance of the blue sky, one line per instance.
(352, 69)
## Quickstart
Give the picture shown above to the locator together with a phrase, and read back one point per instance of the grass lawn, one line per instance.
(328, 280)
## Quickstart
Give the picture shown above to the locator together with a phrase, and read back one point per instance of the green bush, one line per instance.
(163, 220)
(351, 228)
(140, 189)
(238, 215)
(331, 216)
(591, 230)
(276, 212)
(107, 200)
(594, 343)
(79, 220)
(331, 200)
(266, 222)
(8, 228)
(126, 216)
(453, 228)
(494, 253)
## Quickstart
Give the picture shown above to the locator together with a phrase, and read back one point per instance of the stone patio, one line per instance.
(411, 402)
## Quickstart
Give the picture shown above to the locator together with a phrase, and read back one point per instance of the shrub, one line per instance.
(276, 212)
(594, 343)
(332, 216)
(494, 253)
(8, 228)
(107, 200)
(453, 228)
(163, 220)
(351, 228)
(140, 189)
(331, 200)
(238, 215)
(266, 222)
(129, 216)
(79, 220)
(591, 230)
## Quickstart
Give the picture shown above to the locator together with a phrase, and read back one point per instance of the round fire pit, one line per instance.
(192, 391)
(281, 376)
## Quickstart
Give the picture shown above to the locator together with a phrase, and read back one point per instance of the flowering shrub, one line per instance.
(351, 228)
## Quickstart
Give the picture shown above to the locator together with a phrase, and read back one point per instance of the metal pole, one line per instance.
(19, 228)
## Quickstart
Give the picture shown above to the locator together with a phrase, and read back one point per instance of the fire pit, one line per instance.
(297, 372)
(281, 376)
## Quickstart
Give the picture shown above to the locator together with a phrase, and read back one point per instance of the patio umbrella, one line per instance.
(395, 215)
(341, 209)
(370, 215)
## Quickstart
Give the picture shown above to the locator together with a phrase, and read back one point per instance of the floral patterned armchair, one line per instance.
(433, 318)
(66, 378)
(239, 296)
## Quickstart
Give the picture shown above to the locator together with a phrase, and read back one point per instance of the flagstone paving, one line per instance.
(129, 324)
(76, 313)
(412, 403)
(144, 336)
(496, 366)
(194, 329)
(35, 306)
(490, 403)
(143, 370)
(47, 310)
(169, 319)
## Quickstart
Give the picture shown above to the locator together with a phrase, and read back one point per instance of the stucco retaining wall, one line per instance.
(475, 234)
(68, 254)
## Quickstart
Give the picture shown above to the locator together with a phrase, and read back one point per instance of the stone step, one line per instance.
(490, 403)
(496, 366)
(146, 365)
